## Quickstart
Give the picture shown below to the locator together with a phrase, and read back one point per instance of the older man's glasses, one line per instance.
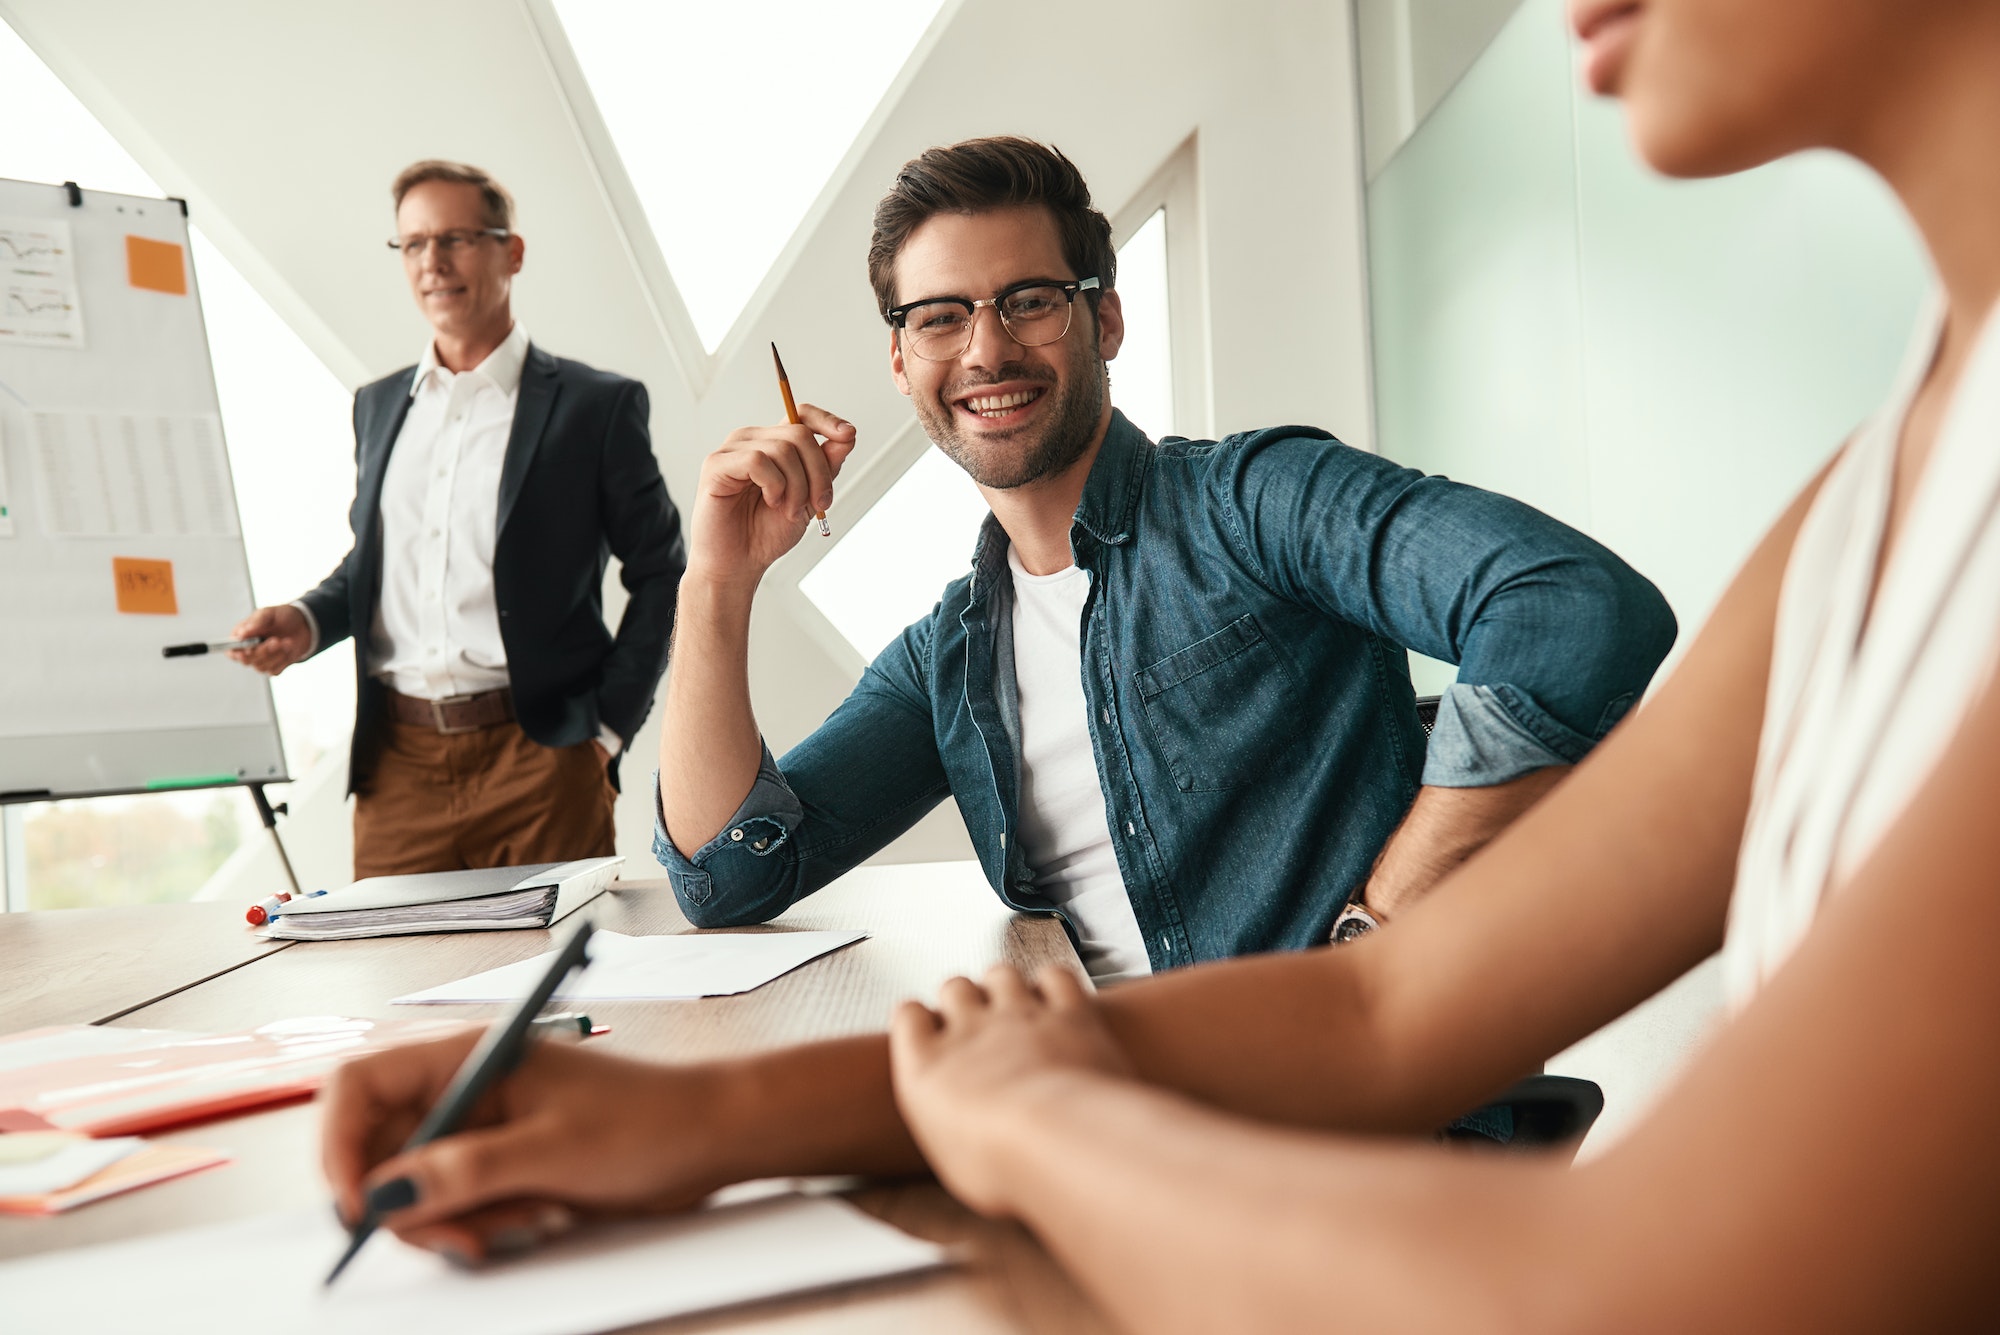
(419, 244)
(1034, 313)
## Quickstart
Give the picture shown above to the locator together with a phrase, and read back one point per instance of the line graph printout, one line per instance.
(132, 474)
(39, 303)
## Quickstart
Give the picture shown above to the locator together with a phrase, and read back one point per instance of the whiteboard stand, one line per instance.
(269, 815)
(13, 859)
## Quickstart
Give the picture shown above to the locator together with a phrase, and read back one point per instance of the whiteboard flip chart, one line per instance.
(118, 522)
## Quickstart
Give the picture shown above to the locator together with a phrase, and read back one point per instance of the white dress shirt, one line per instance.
(436, 632)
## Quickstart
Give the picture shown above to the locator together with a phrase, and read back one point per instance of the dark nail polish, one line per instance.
(398, 1193)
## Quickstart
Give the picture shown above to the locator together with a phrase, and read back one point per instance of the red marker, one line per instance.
(260, 914)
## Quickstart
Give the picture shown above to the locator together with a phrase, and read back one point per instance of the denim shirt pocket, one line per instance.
(1222, 709)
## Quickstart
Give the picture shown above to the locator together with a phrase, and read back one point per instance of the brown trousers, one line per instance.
(490, 798)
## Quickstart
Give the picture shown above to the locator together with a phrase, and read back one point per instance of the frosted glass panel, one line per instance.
(1738, 331)
(1659, 363)
(1473, 259)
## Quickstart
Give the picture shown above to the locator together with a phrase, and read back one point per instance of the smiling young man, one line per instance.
(494, 482)
(1171, 698)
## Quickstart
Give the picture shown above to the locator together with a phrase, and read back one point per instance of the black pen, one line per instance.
(210, 647)
(496, 1054)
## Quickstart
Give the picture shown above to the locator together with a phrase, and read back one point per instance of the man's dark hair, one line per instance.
(496, 206)
(981, 175)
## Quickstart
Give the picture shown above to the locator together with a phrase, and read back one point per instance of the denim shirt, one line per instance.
(1249, 698)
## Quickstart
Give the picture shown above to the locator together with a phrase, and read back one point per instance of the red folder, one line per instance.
(119, 1082)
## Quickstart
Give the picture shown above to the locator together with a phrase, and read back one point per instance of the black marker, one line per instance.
(214, 647)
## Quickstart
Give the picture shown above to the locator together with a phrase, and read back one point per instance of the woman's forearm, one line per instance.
(1176, 1218)
(817, 1108)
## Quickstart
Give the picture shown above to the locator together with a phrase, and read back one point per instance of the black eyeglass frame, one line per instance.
(899, 315)
(395, 243)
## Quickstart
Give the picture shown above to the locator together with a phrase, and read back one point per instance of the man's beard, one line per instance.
(1030, 453)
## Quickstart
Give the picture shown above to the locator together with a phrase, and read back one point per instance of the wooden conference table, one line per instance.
(193, 966)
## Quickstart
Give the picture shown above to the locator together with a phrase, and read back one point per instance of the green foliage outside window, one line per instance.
(127, 851)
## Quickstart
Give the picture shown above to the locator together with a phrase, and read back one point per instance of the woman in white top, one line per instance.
(1832, 1162)
(1817, 778)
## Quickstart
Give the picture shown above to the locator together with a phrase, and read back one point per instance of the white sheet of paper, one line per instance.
(654, 968)
(263, 1276)
(107, 474)
(39, 305)
(71, 1159)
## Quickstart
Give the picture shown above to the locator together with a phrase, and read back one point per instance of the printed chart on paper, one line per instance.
(131, 474)
(39, 303)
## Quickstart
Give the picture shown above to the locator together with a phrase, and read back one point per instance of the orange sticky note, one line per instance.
(145, 586)
(157, 266)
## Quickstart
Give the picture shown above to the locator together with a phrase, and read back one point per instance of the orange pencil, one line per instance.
(792, 416)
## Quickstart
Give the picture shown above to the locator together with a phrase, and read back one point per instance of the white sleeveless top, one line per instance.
(1854, 721)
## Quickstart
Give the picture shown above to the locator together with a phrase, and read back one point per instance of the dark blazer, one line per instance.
(579, 485)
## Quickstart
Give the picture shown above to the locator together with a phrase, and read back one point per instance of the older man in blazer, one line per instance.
(494, 482)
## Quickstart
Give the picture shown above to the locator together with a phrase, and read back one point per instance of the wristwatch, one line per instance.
(1354, 920)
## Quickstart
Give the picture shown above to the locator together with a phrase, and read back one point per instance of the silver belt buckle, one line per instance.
(437, 714)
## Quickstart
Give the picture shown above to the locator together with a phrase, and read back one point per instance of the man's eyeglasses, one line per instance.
(1033, 313)
(417, 244)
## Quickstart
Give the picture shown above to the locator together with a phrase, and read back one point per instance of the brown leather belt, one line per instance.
(455, 714)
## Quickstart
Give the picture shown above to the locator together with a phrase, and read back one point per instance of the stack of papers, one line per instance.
(479, 900)
(653, 968)
(47, 1172)
(263, 1276)
(533, 907)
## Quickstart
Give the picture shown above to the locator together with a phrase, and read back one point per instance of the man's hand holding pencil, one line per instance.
(760, 492)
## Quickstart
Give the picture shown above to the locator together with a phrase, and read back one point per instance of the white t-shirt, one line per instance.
(1064, 835)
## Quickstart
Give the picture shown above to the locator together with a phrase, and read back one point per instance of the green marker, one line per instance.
(198, 781)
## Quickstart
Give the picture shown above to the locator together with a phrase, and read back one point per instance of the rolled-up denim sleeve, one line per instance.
(760, 826)
(860, 779)
(1477, 740)
(1554, 636)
